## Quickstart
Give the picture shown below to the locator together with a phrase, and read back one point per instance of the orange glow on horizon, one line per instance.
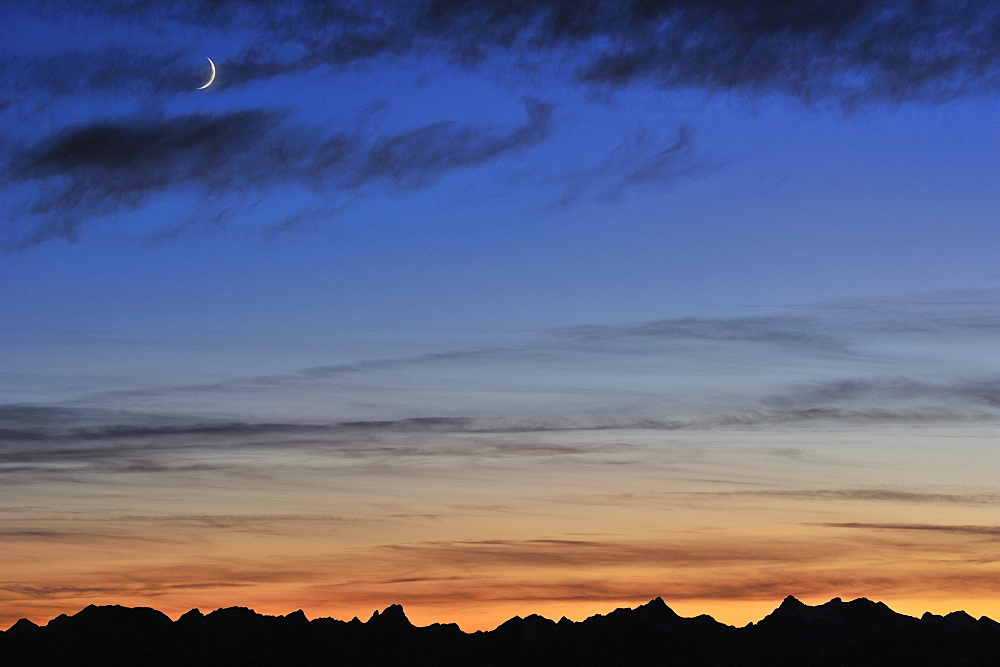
(485, 617)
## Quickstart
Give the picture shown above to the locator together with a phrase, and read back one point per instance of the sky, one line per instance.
(499, 307)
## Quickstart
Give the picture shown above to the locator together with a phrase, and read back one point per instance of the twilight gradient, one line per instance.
(499, 308)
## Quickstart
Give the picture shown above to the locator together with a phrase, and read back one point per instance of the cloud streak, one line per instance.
(106, 167)
(67, 443)
(594, 553)
(869, 495)
(839, 331)
(22, 425)
(638, 162)
(982, 531)
(850, 52)
(790, 331)
(823, 52)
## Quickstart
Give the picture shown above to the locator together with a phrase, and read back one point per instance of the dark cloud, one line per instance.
(748, 418)
(415, 424)
(869, 495)
(985, 531)
(102, 168)
(850, 51)
(985, 391)
(598, 553)
(99, 532)
(142, 444)
(180, 148)
(935, 400)
(224, 429)
(857, 389)
(845, 52)
(43, 423)
(280, 38)
(20, 414)
(92, 171)
(147, 466)
(859, 416)
(54, 424)
(795, 331)
(61, 440)
(79, 466)
(153, 582)
(14, 434)
(416, 158)
(10, 536)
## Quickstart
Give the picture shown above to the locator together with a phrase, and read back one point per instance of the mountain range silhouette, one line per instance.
(858, 632)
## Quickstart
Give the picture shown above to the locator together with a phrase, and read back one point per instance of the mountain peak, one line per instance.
(22, 625)
(393, 615)
(191, 615)
(955, 619)
(113, 614)
(656, 607)
(531, 620)
(855, 631)
(233, 613)
(298, 616)
(791, 602)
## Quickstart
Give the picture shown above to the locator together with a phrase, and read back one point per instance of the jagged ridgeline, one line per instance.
(859, 632)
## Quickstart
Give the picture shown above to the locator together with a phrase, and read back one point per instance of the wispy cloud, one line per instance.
(851, 52)
(88, 531)
(142, 444)
(12, 536)
(982, 392)
(828, 52)
(797, 331)
(159, 581)
(866, 495)
(109, 166)
(806, 331)
(64, 440)
(640, 161)
(847, 52)
(50, 424)
(983, 531)
(596, 553)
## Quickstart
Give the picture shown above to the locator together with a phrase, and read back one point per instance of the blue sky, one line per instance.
(714, 248)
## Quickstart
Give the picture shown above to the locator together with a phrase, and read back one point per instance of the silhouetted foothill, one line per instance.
(834, 633)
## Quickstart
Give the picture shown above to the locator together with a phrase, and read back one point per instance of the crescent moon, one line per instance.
(211, 77)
